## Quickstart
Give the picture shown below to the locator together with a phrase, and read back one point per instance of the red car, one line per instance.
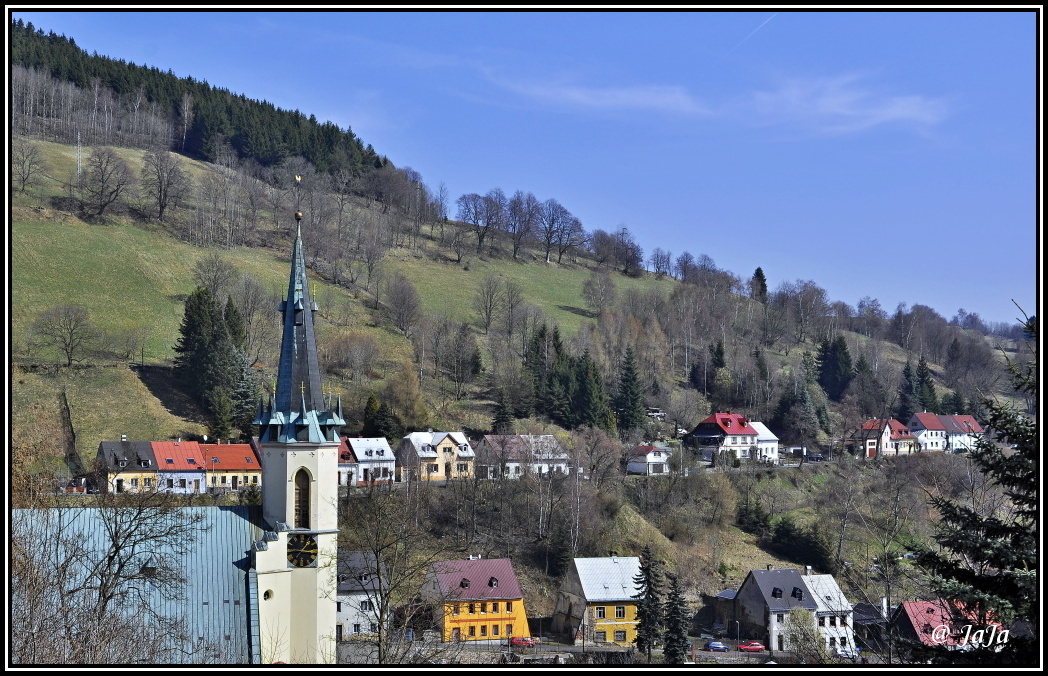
(752, 647)
(522, 641)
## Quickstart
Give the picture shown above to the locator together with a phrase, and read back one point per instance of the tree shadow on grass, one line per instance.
(163, 384)
(577, 311)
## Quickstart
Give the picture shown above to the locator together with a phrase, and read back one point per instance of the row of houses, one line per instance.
(482, 600)
(924, 432)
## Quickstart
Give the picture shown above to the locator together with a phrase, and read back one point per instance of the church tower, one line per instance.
(295, 563)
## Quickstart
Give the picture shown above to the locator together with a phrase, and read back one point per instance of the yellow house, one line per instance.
(130, 466)
(231, 467)
(595, 603)
(477, 600)
(435, 456)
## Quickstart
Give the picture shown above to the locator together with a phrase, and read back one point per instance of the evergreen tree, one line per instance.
(591, 400)
(235, 324)
(385, 424)
(194, 339)
(987, 560)
(759, 287)
(677, 623)
(370, 416)
(648, 582)
(909, 395)
(629, 402)
(835, 367)
(503, 421)
(717, 359)
(929, 401)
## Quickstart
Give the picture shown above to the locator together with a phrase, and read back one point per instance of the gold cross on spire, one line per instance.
(302, 386)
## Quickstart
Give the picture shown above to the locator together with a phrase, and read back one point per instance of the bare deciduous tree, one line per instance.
(164, 182)
(403, 303)
(68, 328)
(488, 300)
(216, 274)
(107, 177)
(599, 291)
(27, 163)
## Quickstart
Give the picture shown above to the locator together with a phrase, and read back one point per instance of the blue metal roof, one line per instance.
(217, 604)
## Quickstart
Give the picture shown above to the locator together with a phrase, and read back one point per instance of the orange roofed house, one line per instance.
(476, 600)
(877, 437)
(231, 466)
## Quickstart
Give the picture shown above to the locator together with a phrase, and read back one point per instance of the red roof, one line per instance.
(926, 616)
(477, 580)
(968, 423)
(731, 423)
(899, 431)
(178, 456)
(231, 457)
(929, 421)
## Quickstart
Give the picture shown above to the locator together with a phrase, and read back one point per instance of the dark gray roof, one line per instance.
(359, 572)
(130, 453)
(782, 588)
(299, 412)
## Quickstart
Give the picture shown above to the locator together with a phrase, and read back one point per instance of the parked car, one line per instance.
(716, 646)
(846, 653)
(522, 642)
(816, 457)
(752, 647)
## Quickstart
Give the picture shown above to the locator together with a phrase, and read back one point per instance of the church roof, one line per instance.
(217, 601)
(299, 411)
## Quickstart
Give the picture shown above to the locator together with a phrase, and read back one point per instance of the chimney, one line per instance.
(807, 570)
(769, 566)
(123, 437)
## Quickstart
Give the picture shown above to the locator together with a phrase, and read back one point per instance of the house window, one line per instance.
(620, 636)
(509, 630)
(181, 483)
(780, 617)
(365, 605)
(483, 607)
(620, 612)
(254, 479)
(214, 479)
(338, 606)
(223, 479)
(374, 627)
(483, 630)
(600, 612)
(602, 636)
(495, 607)
(509, 606)
(356, 628)
(433, 468)
(148, 482)
(462, 467)
(494, 630)
(472, 631)
(455, 609)
(134, 483)
(833, 642)
(471, 608)
(170, 483)
(833, 621)
(822, 621)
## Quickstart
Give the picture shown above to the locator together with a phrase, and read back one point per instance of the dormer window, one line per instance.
(464, 583)
(170, 461)
(493, 582)
(214, 460)
(798, 593)
(191, 461)
(249, 461)
(776, 593)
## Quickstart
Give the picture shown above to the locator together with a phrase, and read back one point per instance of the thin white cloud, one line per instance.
(671, 99)
(840, 105)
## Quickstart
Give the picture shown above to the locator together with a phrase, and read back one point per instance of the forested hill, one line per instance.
(200, 118)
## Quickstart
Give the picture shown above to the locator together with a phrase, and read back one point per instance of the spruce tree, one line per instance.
(591, 400)
(909, 395)
(370, 415)
(629, 402)
(194, 340)
(988, 560)
(925, 388)
(759, 287)
(648, 582)
(677, 623)
(235, 324)
(503, 421)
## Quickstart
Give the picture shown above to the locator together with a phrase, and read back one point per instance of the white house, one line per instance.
(962, 432)
(513, 455)
(360, 593)
(724, 433)
(374, 459)
(767, 443)
(649, 460)
(833, 612)
(929, 431)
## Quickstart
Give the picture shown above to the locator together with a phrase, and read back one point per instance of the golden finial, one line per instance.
(302, 386)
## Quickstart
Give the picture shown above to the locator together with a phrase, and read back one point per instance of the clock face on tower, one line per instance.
(301, 550)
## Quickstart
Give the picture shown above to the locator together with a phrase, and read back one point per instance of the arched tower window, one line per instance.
(302, 499)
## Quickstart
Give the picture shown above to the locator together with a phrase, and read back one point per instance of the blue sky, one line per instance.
(882, 154)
